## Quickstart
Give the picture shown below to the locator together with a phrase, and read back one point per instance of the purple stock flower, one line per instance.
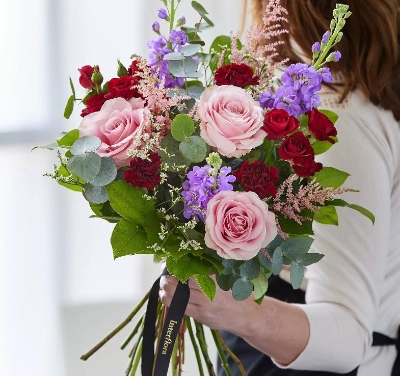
(178, 38)
(201, 187)
(326, 75)
(156, 26)
(162, 13)
(326, 36)
(157, 50)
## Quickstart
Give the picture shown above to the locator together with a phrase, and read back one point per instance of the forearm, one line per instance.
(278, 329)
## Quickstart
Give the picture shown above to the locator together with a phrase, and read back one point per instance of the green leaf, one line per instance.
(231, 266)
(250, 268)
(190, 49)
(95, 194)
(85, 144)
(68, 139)
(86, 166)
(296, 246)
(128, 239)
(171, 155)
(217, 264)
(69, 107)
(265, 261)
(363, 211)
(224, 281)
(221, 43)
(296, 274)
(327, 215)
(107, 173)
(153, 228)
(291, 227)
(331, 177)
(129, 202)
(242, 289)
(71, 84)
(188, 266)
(332, 116)
(182, 127)
(278, 240)
(277, 261)
(184, 68)
(309, 258)
(73, 186)
(321, 146)
(207, 285)
(200, 9)
(260, 286)
(105, 211)
(194, 148)
(175, 56)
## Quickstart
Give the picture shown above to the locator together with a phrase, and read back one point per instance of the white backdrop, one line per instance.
(60, 289)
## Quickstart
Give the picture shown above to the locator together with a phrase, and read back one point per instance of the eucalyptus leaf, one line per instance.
(224, 281)
(86, 166)
(250, 268)
(277, 261)
(194, 148)
(190, 49)
(296, 246)
(242, 289)
(95, 194)
(296, 274)
(175, 56)
(260, 286)
(196, 91)
(128, 239)
(184, 68)
(265, 261)
(207, 285)
(107, 173)
(331, 177)
(182, 127)
(309, 258)
(85, 144)
(171, 155)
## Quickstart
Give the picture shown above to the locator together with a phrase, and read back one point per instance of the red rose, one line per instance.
(133, 68)
(85, 78)
(298, 151)
(296, 147)
(93, 104)
(122, 87)
(320, 126)
(257, 177)
(278, 123)
(308, 167)
(235, 74)
(144, 173)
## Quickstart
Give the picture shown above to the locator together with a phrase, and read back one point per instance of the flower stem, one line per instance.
(195, 347)
(136, 357)
(203, 347)
(221, 354)
(134, 331)
(117, 329)
(229, 351)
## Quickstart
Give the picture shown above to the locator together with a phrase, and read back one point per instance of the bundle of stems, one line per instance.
(189, 325)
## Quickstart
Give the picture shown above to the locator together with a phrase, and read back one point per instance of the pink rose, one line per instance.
(238, 225)
(231, 120)
(118, 123)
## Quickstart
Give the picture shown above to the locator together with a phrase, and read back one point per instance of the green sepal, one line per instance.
(207, 285)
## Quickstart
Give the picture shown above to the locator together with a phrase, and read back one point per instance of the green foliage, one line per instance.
(291, 227)
(69, 107)
(182, 127)
(296, 274)
(194, 148)
(85, 144)
(295, 246)
(327, 215)
(207, 285)
(260, 286)
(331, 177)
(250, 269)
(242, 289)
(86, 166)
(67, 140)
(203, 13)
(332, 116)
(170, 154)
(321, 146)
(358, 208)
(95, 194)
(186, 68)
(277, 261)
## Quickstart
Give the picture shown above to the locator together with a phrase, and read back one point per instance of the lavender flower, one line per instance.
(202, 185)
(178, 38)
(162, 13)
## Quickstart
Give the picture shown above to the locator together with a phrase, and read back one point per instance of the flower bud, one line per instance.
(97, 77)
(162, 14)
(339, 37)
(181, 21)
(156, 27)
(334, 56)
(326, 36)
(121, 72)
(316, 47)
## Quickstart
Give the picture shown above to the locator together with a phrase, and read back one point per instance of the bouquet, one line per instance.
(204, 158)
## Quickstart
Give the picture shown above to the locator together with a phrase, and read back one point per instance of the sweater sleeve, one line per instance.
(343, 290)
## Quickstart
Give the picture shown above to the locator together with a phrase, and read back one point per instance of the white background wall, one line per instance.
(60, 289)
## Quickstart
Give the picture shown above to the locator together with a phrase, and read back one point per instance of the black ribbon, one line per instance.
(170, 329)
(380, 339)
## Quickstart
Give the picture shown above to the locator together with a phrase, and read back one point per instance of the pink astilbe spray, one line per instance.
(310, 196)
(258, 49)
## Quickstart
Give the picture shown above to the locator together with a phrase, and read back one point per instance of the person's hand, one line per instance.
(223, 313)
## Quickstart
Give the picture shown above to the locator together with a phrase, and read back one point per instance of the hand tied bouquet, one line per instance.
(205, 159)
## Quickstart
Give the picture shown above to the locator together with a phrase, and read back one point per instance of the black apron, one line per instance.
(258, 364)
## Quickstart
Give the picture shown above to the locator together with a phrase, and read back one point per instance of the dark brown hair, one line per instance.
(370, 46)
